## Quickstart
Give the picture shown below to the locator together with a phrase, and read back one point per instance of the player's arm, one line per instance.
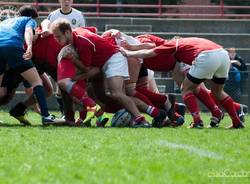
(79, 64)
(45, 28)
(137, 47)
(145, 53)
(28, 37)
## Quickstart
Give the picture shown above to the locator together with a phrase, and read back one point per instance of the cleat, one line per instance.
(241, 112)
(238, 126)
(52, 120)
(166, 123)
(214, 121)
(79, 122)
(22, 120)
(158, 120)
(198, 125)
(87, 123)
(102, 123)
(180, 121)
(171, 111)
(141, 124)
(18, 114)
(69, 123)
(180, 108)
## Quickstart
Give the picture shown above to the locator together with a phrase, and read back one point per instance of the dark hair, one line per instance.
(28, 11)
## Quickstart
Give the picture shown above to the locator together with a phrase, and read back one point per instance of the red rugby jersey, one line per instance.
(45, 50)
(92, 48)
(161, 62)
(148, 38)
(186, 49)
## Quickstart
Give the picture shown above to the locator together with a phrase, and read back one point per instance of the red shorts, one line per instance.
(65, 69)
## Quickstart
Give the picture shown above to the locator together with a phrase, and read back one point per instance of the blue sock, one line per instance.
(41, 99)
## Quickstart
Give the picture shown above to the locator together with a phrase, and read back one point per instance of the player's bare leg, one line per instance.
(116, 89)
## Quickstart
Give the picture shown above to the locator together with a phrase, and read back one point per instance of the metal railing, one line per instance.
(159, 9)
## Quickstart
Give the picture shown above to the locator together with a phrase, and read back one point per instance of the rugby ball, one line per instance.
(122, 118)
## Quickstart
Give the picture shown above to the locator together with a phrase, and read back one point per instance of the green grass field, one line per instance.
(39, 154)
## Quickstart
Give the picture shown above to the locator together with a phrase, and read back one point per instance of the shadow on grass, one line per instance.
(2, 124)
(8, 125)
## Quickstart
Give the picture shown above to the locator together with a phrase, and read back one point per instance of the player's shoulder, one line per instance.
(75, 11)
(54, 13)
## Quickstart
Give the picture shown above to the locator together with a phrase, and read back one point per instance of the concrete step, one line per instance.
(124, 28)
(225, 39)
(167, 82)
(240, 41)
(177, 25)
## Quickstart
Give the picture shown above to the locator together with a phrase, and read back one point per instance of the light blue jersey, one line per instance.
(12, 31)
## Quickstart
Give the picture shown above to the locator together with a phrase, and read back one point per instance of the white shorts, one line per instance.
(184, 67)
(150, 74)
(209, 64)
(117, 65)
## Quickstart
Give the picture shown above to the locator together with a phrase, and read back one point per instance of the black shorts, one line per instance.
(11, 80)
(12, 58)
(143, 72)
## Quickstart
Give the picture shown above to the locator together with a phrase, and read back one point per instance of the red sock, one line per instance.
(70, 115)
(157, 99)
(237, 105)
(78, 92)
(228, 105)
(98, 113)
(215, 100)
(190, 101)
(204, 96)
(139, 118)
(88, 102)
(142, 97)
(153, 111)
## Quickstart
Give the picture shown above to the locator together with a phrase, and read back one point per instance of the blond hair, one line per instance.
(61, 24)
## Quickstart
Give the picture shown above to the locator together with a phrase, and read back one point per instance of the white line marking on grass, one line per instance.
(192, 149)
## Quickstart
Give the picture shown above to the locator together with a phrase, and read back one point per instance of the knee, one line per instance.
(116, 95)
(37, 82)
(62, 84)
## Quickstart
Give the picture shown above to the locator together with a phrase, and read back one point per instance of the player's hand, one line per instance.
(82, 76)
(116, 33)
(28, 54)
(125, 44)
(45, 33)
(124, 51)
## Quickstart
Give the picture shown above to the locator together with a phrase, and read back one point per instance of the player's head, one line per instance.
(66, 3)
(62, 31)
(28, 11)
(232, 52)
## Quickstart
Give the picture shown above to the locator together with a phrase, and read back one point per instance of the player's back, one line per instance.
(45, 50)
(102, 50)
(148, 38)
(12, 31)
(187, 49)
